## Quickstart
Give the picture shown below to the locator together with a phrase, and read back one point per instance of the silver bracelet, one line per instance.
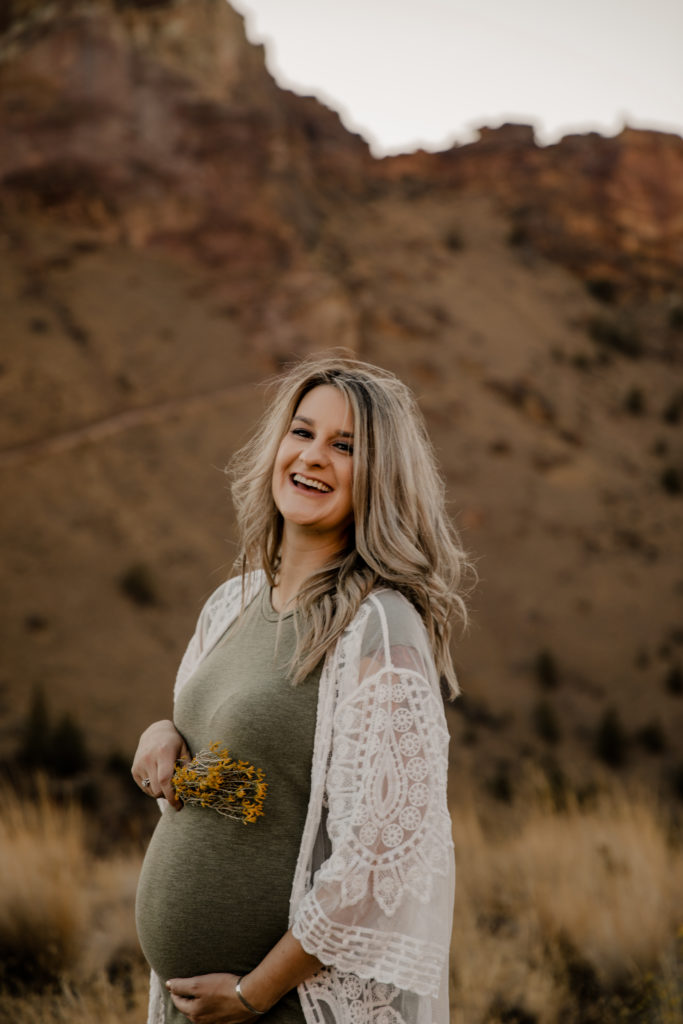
(245, 1002)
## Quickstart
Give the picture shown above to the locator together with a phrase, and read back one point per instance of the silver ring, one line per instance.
(145, 783)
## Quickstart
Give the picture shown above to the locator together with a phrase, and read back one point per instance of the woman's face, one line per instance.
(313, 471)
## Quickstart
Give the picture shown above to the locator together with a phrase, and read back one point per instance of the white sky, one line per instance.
(410, 73)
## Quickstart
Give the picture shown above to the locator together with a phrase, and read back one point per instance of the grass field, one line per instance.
(573, 916)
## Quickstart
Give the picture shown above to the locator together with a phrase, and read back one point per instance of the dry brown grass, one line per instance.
(67, 935)
(43, 912)
(573, 917)
(99, 1001)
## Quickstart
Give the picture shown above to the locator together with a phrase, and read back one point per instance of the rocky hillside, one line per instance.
(174, 226)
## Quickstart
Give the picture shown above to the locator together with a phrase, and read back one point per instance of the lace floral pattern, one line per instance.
(390, 743)
(345, 999)
(372, 892)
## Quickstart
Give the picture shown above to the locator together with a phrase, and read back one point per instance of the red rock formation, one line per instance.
(159, 122)
(610, 209)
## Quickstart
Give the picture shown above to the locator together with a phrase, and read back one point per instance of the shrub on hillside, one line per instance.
(545, 722)
(634, 402)
(602, 288)
(673, 680)
(139, 586)
(546, 670)
(671, 480)
(453, 240)
(610, 739)
(34, 733)
(59, 750)
(677, 780)
(68, 755)
(673, 410)
(499, 784)
(651, 737)
(615, 337)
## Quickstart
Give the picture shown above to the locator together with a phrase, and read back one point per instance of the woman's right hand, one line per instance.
(160, 746)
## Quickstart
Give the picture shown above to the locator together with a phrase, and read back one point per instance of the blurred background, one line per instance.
(176, 224)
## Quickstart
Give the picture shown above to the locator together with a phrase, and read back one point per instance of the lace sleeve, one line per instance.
(381, 904)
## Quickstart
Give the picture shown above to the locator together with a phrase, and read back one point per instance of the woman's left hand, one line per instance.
(209, 999)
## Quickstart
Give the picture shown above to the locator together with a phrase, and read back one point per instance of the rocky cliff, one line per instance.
(608, 209)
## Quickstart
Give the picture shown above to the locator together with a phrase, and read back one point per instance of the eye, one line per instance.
(301, 432)
(344, 446)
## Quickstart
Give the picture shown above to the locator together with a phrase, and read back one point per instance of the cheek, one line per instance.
(281, 458)
(278, 472)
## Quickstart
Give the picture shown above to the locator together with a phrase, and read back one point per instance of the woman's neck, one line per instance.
(298, 561)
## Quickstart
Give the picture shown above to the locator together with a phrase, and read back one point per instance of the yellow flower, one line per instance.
(235, 789)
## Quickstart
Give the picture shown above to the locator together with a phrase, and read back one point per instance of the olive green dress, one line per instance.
(214, 893)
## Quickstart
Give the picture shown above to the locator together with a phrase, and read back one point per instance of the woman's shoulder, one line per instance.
(392, 601)
(391, 618)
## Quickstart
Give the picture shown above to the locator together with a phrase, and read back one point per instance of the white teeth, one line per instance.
(299, 479)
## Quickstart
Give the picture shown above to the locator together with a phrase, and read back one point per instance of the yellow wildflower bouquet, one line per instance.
(235, 789)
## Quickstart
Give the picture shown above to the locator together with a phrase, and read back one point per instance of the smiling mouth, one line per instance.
(307, 483)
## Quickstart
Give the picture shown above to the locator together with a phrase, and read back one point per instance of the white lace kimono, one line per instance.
(372, 895)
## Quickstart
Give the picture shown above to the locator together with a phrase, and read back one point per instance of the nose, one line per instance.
(315, 453)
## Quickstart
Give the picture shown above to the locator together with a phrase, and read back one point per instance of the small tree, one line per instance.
(34, 739)
(68, 754)
(57, 749)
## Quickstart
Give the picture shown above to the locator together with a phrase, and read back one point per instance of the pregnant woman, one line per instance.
(318, 670)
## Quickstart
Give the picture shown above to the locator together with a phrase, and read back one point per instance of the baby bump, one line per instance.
(213, 894)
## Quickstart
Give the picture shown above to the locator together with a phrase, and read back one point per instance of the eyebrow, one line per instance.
(338, 433)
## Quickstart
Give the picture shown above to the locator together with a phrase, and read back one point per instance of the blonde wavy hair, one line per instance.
(402, 536)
